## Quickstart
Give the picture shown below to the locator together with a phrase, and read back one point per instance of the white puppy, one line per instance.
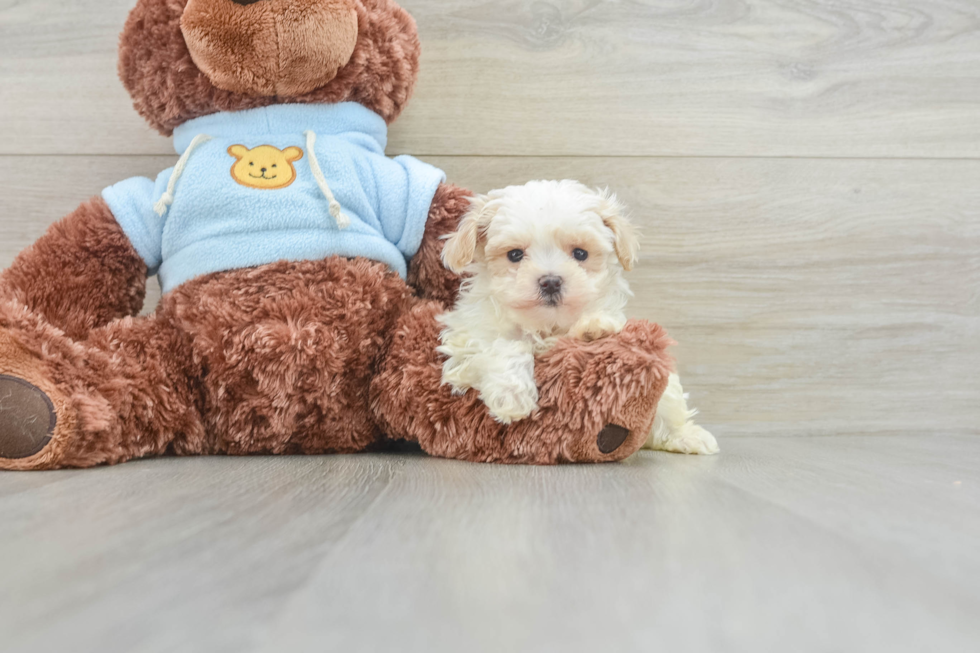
(544, 261)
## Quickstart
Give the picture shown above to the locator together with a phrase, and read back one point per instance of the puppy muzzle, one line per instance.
(549, 287)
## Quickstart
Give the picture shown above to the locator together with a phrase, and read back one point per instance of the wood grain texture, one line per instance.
(806, 177)
(580, 77)
(808, 296)
(801, 544)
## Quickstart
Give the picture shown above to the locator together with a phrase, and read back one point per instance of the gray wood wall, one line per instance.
(806, 174)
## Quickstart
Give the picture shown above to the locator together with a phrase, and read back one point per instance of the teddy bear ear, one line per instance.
(238, 151)
(626, 241)
(460, 248)
(293, 154)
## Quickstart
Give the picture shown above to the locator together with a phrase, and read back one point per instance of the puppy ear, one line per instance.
(238, 151)
(625, 239)
(292, 154)
(460, 248)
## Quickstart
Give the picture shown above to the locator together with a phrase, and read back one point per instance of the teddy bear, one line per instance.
(300, 267)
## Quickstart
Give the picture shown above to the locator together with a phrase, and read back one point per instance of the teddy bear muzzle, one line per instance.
(267, 48)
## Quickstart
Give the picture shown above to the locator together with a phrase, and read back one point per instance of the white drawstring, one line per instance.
(335, 210)
(168, 197)
(342, 220)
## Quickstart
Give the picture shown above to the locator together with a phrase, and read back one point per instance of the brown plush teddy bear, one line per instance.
(300, 267)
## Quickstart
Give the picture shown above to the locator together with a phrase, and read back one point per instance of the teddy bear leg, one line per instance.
(597, 400)
(125, 392)
(81, 274)
(290, 349)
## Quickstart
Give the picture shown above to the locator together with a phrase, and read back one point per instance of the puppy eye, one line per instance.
(580, 254)
(515, 255)
(273, 165)
(251, 163)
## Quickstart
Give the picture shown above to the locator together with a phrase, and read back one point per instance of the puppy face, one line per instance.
(546, 251)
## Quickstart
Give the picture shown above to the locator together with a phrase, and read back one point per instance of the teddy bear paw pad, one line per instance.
(611, 437)
(27, 418)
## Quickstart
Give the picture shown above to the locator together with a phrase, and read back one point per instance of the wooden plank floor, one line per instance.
(779, 544)
(808, 296)
(806, 175)
(580, 77)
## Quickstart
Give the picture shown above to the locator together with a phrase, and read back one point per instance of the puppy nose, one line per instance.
(264, 169)
(550, 284)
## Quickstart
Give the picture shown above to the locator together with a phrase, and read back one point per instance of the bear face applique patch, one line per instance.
(264, 167)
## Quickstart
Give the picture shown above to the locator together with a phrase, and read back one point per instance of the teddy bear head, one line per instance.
(182, 59)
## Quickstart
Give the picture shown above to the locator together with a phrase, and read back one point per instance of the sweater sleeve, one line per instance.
(405, 204)
(131, 202)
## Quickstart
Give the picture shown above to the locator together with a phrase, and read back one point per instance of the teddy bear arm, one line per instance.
(426, 273)
(81, 274)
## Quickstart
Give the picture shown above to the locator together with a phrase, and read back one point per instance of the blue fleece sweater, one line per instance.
(248, 193)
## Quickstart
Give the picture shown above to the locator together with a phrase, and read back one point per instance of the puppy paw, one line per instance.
(510, 403)
(691, 439)
(595, 327)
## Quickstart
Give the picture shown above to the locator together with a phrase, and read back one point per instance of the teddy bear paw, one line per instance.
(27, 418)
